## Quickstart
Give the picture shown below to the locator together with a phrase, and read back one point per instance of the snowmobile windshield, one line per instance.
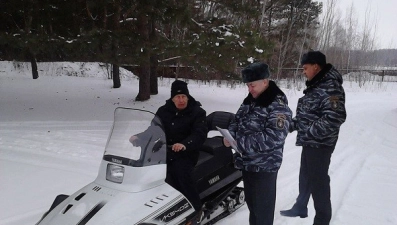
(137, 139)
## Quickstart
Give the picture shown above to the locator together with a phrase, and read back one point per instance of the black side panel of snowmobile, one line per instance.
(215, 168)
(217, 181)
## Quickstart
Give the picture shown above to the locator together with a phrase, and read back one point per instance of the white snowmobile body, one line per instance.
(130, 187)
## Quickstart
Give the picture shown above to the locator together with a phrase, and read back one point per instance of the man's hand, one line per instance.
(292, 125)
(178, 147)
(226, 143)
(133, 140)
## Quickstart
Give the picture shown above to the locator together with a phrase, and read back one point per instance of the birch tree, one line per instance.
(326, 27)
(351, 26)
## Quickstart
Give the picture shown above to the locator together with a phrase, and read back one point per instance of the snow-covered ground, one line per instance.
(53, 132)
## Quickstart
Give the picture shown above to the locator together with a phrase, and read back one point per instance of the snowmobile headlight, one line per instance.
(115, 173)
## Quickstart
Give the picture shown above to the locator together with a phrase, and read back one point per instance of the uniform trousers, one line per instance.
(260, 196)
(315, 181)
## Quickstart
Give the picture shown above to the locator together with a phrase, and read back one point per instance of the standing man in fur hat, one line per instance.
(260, 127)
(185, 127)
(319, 116)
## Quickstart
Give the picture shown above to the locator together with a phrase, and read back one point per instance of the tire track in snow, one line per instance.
(350, 160)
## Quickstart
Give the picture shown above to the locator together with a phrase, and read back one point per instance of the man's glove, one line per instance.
(292, 125)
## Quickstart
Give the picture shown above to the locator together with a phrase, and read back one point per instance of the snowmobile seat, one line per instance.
(213, 146)
(219, 119)
(216, 119)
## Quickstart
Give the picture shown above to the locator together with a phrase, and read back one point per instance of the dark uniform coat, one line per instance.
(260, 128)
(321, 111)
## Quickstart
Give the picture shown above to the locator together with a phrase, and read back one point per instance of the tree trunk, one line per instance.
(33, 62)
(28, 17)
(116, 76)
(115, 67)
(144, 79)
(144, 74)
(115, 45)
(153, 59)
(154, 90)
(35, 73)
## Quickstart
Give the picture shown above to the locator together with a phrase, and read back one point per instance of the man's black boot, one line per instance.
(294, 212)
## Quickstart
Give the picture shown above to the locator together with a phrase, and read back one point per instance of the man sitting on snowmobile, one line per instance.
(184, 124)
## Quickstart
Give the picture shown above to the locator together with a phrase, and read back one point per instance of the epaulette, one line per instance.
(280, 101)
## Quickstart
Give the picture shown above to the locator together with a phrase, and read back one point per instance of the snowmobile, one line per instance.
(131, 185)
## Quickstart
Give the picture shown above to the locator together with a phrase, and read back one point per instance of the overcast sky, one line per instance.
(381, 12)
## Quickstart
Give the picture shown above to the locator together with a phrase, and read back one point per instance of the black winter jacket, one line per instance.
(187, 127)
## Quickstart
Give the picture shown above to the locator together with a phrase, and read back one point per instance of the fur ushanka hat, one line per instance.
(314, 57)
(255, 71)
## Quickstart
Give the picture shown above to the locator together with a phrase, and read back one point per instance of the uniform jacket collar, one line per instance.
(267, 97)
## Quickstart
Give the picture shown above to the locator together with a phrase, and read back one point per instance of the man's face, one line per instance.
(257, 87)
(180, 101)
(310, 70)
